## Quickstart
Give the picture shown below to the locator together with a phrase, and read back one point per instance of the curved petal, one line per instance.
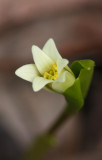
(42, 61)
(27, 72)
(61, 63)
(63, 82)
(39, 83)
(51, 50)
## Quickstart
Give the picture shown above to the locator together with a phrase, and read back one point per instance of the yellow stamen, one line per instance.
(52, 74)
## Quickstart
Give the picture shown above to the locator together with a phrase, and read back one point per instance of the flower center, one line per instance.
(52, 74)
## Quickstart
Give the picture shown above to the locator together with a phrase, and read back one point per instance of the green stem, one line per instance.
(46, 141)
(61, 119)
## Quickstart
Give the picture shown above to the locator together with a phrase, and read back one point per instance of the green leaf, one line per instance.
(84, 70)
(75, 95)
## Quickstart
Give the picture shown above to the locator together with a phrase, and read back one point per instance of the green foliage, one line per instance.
(75, 95)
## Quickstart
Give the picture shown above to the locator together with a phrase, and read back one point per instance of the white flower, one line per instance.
(49, 71)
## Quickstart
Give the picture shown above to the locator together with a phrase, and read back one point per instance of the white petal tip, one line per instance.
(34, 47)
(17, 72)
(27, 72)
(50, 39)
(35, 90)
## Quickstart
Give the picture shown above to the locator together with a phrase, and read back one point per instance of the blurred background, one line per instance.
(76, 27)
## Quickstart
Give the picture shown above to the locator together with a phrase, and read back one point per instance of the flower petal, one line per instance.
(39, 83)
(63, 82)
(27, 72)
(61, 63)
(42, 61)
(51, 50)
